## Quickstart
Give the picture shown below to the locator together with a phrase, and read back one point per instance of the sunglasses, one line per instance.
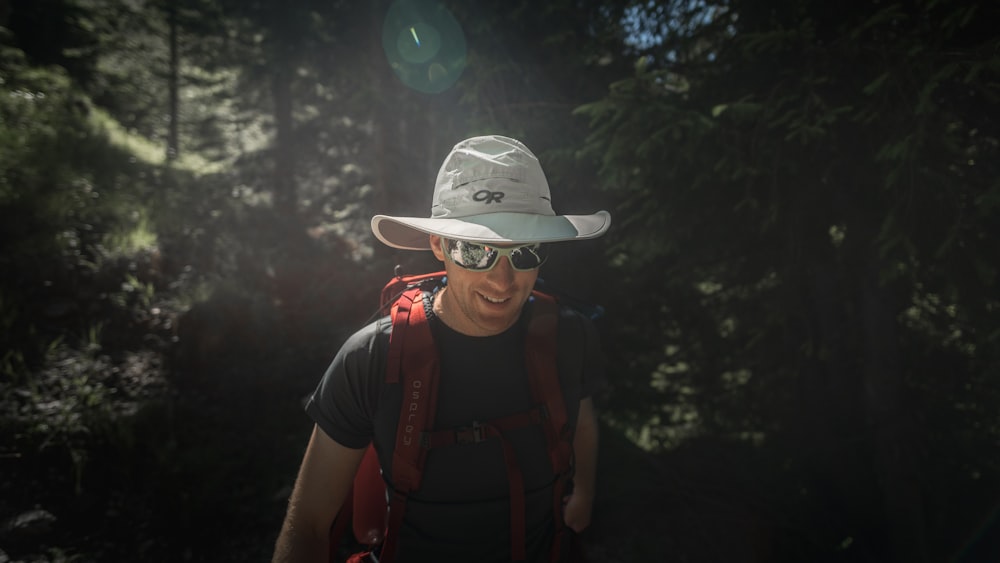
(481, 258)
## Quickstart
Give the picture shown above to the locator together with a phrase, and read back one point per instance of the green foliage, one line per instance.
(800, 281)
(816, 161)
(65, 405)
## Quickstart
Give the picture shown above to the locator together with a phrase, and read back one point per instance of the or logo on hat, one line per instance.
(488, 197)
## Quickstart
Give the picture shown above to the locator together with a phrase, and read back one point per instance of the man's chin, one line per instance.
(496, 323)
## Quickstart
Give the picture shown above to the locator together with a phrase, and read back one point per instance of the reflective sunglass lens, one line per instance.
(527, 257)
(476, 257)
(469, 256)
(480, 257)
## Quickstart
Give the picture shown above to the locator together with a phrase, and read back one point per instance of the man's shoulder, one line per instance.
(578, 336)
(573, 319)
(369, 336)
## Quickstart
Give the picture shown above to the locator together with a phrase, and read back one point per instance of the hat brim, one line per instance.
(410, 233)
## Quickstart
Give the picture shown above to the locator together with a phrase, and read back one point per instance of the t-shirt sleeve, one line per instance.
(343, 404)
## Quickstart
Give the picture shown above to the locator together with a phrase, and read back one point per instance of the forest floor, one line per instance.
(202, 469)
(179, 439)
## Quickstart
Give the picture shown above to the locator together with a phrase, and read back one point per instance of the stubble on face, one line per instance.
(482, 303)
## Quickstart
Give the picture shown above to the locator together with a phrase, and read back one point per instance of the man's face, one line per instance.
(483, 303)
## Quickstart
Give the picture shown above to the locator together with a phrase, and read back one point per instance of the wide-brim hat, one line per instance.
(490, 190)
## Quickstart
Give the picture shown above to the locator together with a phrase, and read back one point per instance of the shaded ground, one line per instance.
(190, 448)
(200, 464)
(203, 474)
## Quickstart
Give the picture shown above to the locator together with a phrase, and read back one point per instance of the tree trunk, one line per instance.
(173, 83)
(893, 441)
(380, 196)
(831, 412)
(285, 197)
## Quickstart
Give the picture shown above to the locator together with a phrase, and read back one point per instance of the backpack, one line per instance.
(374, 513)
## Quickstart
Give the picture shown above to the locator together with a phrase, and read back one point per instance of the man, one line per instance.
(490, 218)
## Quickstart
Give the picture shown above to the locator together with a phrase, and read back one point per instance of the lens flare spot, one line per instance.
(419, 43)
(424, 44)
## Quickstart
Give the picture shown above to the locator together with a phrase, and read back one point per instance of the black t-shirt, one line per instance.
(461, 510)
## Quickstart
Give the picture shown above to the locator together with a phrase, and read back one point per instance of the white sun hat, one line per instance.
(490, 190)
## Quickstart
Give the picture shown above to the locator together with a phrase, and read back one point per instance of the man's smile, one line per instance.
(495, 300)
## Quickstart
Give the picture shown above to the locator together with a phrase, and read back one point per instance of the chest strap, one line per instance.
(480, 432)
(414, 347)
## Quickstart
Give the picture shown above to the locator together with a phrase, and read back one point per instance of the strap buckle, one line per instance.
(473, 434)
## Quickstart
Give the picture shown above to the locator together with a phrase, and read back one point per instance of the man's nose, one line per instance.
(502, 275)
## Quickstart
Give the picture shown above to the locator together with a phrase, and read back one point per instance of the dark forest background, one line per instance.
(801, 283)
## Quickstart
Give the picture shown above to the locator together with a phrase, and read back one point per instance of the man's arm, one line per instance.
(323, 483)
(578, 507)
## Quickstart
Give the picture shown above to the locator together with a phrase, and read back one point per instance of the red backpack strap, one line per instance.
(543, 377)
(394, 289)
(365, 507)
(411, 344)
